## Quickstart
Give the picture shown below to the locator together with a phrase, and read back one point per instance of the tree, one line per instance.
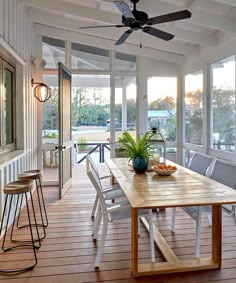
(168, 103)
(224, 114)
(193, 117)
(78, 100)
(50, 111)
(131, 112)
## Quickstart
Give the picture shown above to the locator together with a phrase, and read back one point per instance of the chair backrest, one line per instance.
(94, 178)
(224, 173)
(90, 160)
(200, 163)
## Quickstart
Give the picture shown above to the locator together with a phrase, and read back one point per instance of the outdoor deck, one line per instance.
(68, 252)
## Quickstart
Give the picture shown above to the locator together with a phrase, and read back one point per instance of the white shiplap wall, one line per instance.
(16, 32)
(17, 45)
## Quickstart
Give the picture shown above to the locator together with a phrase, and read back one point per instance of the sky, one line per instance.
(159, 87)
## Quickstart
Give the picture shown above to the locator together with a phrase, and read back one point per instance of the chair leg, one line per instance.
(198, 232)
(173, 219)
(97, 223)
(102, 242)
(138, 227)
(151, 239)
(94, 207)
(234, 208)
(209, 219)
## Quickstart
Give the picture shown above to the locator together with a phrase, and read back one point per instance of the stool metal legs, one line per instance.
(44, 223)
(39, 188)
(31, 233)
(35, 224)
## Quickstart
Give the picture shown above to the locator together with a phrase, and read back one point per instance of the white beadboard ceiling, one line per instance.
(210, 19)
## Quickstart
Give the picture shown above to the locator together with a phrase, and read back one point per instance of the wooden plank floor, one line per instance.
(68, 252)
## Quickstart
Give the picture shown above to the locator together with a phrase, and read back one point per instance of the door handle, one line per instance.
(60, 147)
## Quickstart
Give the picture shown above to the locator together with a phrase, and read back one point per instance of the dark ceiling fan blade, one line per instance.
(124, 9)
(158, 33)
(105, 26)
(124, 36)
(184, 14)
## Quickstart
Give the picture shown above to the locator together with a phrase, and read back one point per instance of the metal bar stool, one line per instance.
(19, 188)
(36, 175)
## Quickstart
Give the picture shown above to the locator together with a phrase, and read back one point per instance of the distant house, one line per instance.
(160, 115)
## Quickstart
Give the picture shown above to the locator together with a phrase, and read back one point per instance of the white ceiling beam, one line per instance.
(110, 18)
(73, 9)
(200, 38)
(228, 2)
(114, 34)
(198, 18)
(108, 44)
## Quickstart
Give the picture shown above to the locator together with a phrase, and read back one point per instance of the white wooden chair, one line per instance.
(113, 212)
(201, 164)
(110, 192)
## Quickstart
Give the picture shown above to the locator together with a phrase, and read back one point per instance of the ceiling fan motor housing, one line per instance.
(134, 1)
(140, 19)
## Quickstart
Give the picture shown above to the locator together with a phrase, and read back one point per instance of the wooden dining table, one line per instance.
(183, 188)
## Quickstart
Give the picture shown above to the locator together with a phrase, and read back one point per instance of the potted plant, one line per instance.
(138, 151)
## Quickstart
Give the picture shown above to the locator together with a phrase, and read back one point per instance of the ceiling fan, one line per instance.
(139, 20)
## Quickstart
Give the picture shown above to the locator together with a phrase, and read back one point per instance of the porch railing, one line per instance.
(91, 147)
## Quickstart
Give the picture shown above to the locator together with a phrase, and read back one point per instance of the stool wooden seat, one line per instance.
(16, 188)
(31, 175)
(19, 189)
(36, 175)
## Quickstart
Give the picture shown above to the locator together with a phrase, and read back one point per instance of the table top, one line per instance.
(183, 188)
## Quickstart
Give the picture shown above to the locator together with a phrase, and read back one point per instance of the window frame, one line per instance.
(217, 152)
(189, 144)
(3, 146)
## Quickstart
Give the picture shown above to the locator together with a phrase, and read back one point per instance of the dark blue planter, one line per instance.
(140, 165)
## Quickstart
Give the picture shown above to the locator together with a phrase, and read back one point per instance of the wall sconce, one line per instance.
(41, 92)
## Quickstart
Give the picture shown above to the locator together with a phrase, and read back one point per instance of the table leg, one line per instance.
(135, 241)
(217, 234)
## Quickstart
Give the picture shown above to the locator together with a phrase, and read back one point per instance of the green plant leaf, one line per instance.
(139, 148)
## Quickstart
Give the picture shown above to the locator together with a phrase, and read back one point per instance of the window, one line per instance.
(193, 107)
(125, 62)
(50, 110)
(86, 57)
(125, 105)
(7, 117)
(223, 104)
(90, 107)
(53, 52)
(162, 92)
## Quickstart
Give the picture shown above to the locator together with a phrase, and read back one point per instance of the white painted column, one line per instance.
(206, 115)
(180, 123)
(142, 104)
(124, 108)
